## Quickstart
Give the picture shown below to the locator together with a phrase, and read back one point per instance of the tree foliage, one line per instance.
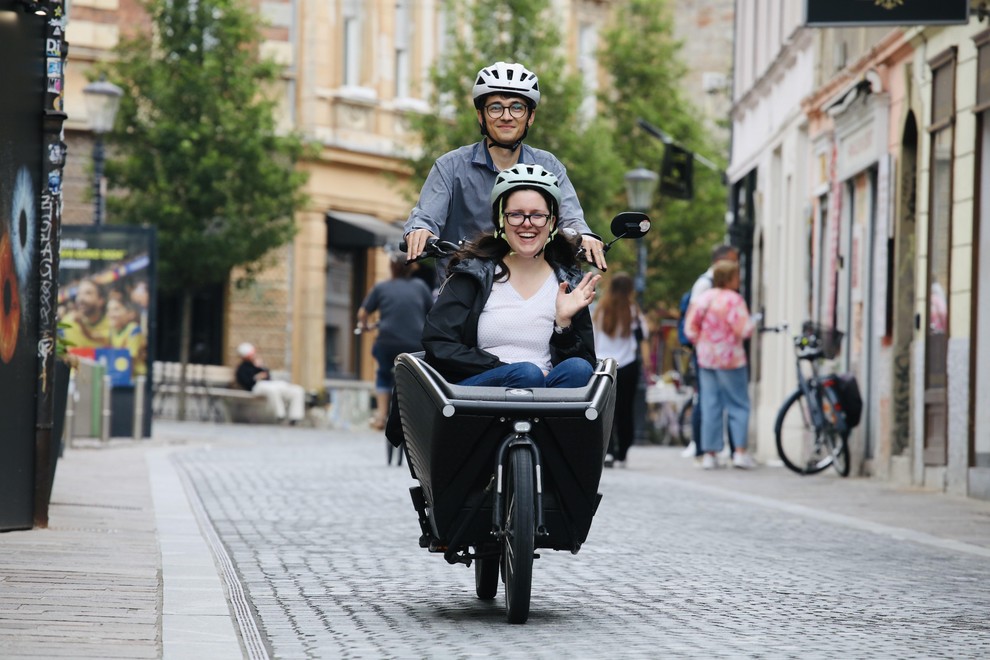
(643, 76)
(524, 31)
(196, 152)
(642, 59)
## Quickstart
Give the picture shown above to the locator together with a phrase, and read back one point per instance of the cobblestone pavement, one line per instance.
(323, 539)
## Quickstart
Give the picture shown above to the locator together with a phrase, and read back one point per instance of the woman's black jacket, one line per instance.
(450, 336)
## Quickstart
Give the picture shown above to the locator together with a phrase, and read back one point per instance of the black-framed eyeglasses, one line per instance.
(536, 219)
(495, 110)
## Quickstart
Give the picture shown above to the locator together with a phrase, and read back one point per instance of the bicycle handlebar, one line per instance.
(780, 327)
(434, 249)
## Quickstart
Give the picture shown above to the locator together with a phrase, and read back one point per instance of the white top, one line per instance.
(619, 348)
(703, 283)
(518, 330)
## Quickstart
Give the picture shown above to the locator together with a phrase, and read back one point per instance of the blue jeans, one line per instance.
(724, 393)
(385, 355)
(573, 372)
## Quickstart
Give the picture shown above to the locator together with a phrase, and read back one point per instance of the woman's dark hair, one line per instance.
(560, 251)
(614, 312)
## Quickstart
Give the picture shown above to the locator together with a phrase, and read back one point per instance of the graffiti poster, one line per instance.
(21, 68)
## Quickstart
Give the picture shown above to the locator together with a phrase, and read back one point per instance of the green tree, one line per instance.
(640, 55)
(642, 59)
(524, 31)
(197, 153)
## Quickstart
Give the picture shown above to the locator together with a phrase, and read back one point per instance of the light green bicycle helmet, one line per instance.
(524, 177)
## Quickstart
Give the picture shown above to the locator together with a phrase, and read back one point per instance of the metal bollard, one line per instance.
(139, 407)
(70, 421)
(105, 419)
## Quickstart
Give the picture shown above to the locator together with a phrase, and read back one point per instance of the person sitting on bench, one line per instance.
(252, 375)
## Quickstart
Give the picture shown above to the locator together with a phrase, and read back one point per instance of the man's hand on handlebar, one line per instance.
(594, 251)
(416, 241)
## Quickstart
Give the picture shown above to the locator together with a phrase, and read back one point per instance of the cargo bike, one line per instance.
(504, 472)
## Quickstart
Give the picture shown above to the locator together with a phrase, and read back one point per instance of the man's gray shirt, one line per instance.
(455, 202)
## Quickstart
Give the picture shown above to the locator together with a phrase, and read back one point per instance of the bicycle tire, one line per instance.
(837, 443)
(486, 577)
(799, 445)
(685, 427)
(839, 447)
(520, 535)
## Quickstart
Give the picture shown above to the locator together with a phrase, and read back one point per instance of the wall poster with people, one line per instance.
(106, 308)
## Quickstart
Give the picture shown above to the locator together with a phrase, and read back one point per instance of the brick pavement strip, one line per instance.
(88, 586)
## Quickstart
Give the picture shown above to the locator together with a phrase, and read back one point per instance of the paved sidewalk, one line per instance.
(126, 571)
(906, 513)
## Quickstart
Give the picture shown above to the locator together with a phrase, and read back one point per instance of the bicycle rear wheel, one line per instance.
(839, 448)
(684, 426)
(800, 446)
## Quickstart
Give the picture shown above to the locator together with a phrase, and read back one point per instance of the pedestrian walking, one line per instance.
(454, 202)
(620, 328)
(402, 303)
(717, 323)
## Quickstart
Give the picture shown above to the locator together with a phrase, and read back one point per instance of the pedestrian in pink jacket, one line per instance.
(717, 323)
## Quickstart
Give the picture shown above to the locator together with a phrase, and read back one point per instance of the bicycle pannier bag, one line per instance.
(847, 391)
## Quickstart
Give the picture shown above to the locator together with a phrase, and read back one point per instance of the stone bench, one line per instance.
(349, 403)
(212, 395)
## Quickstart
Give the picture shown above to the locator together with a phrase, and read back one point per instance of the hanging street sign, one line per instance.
(828, 13)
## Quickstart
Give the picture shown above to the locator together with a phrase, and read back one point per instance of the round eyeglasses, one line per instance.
(536, 219)
(516, 110)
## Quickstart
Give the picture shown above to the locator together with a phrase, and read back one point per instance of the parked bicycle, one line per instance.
(689, 380)
(671, 397)
(813, 424)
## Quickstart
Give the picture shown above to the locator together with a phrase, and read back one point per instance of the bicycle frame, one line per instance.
(818, 395)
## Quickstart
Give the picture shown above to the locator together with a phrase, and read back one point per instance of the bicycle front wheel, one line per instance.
(520, 535)
(800, 446)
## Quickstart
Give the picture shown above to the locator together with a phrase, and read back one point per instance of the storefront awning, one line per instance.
(356, 230)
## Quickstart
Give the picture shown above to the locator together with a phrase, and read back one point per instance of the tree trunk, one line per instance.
(185, 337)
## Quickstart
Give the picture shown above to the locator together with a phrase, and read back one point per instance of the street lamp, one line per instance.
(641, 183)
(102, 101)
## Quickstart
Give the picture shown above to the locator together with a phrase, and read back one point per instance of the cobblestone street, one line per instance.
(324, 541)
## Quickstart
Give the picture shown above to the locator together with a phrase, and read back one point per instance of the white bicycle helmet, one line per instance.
(507, 78)
(524, 177)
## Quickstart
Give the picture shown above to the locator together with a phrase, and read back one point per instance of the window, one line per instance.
(403, 39)
(939, 246)
(352, 43)
(588, 65)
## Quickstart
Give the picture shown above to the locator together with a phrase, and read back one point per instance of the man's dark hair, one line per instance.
(723, 251)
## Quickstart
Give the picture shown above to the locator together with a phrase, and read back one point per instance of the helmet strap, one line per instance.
(500, 227)
(492, 142)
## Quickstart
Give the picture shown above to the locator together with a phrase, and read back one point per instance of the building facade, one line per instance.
(353, 71)
(882, 204)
